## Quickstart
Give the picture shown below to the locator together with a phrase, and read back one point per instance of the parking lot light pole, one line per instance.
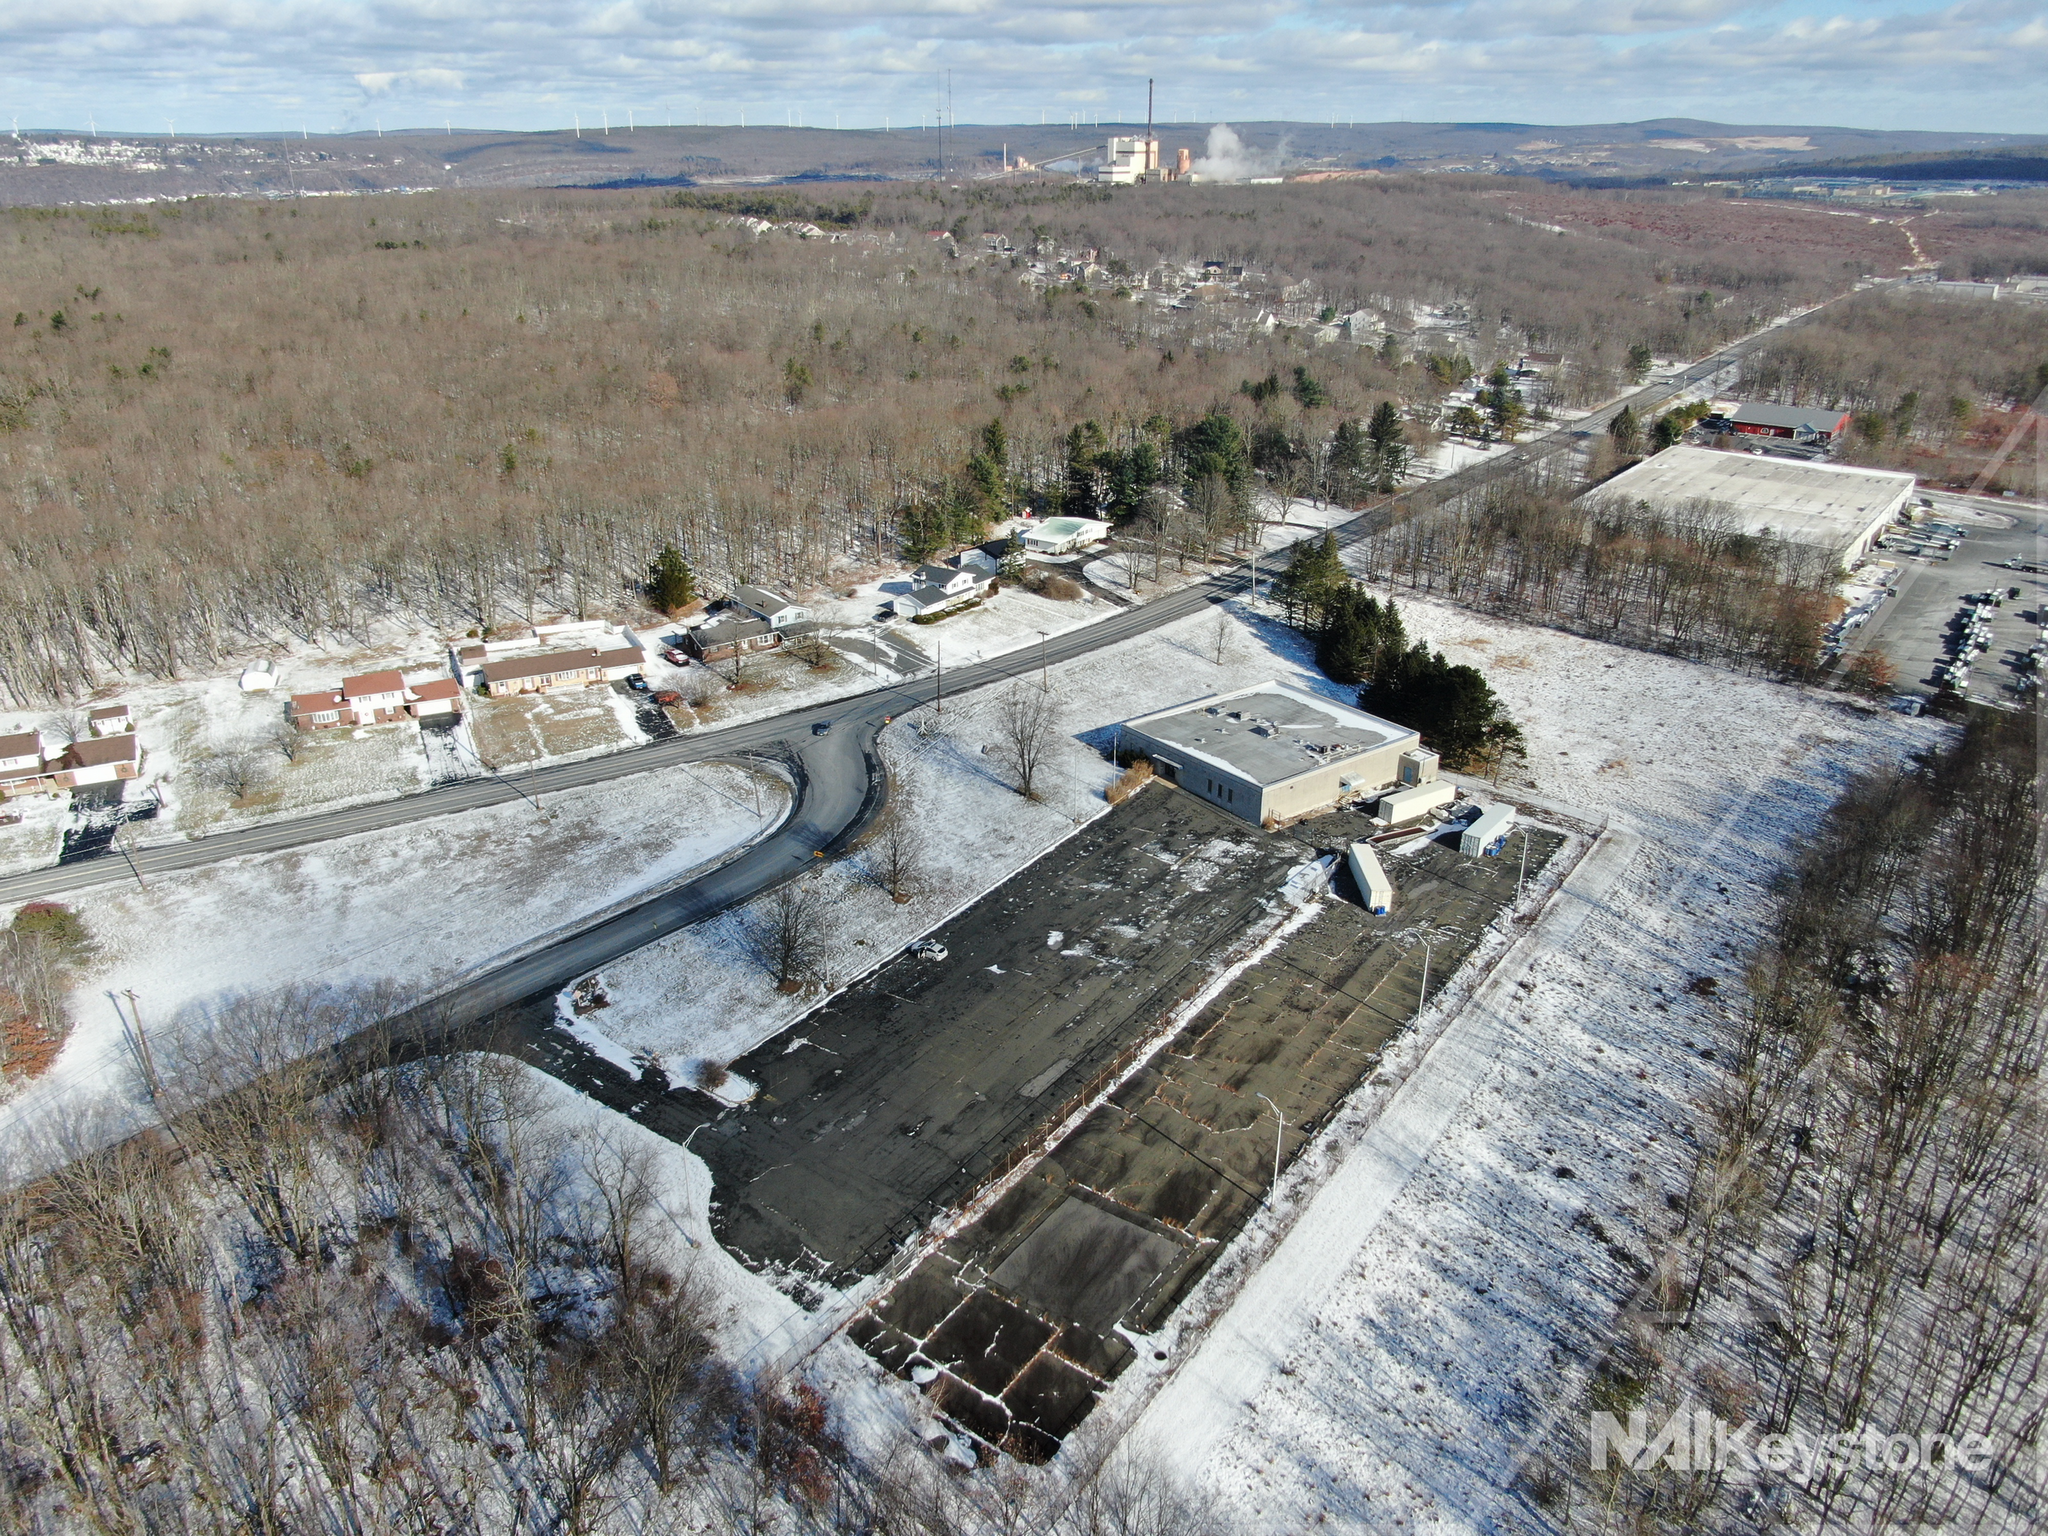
(1277, 1134)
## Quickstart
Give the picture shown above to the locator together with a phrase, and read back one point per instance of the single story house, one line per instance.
(1064, 535)
(559, 669)
(99, 760)
(1272, 751)
(109, 720)
(1801, 423)
(772, 608)
(730, 637)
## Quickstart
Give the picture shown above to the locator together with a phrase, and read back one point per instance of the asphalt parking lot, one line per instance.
(1911, 628)
(897, 1101)
(1018, 1321)
(885, 1107)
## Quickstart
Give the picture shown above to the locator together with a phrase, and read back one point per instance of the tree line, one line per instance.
(1687, 580)
(1362, 639)
(1861, 1246)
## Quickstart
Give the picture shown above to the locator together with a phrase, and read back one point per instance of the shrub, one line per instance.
(55, 923)
(1129, 782)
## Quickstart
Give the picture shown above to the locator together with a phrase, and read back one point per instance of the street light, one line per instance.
(1279, 1132)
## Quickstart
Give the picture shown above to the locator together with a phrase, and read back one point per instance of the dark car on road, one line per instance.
(821, 727)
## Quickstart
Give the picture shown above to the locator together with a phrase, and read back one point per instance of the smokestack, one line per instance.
(1151, 144)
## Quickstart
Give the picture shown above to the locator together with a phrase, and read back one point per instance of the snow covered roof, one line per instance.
(1270, 732)
(761, 600)
(1830, 506)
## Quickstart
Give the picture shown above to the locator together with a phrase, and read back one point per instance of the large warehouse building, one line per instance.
(1830, 507)
(1271, 750)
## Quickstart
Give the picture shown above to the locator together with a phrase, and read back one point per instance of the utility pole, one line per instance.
(939, 699)
(1044, 678)
(1277, 1135)
(1425, 982)
(1524, 875)
(149, 1077)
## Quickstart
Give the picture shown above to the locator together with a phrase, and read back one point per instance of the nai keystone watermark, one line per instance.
(1698, 1440)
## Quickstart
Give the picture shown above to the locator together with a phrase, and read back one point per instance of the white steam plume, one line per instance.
(1229, 158)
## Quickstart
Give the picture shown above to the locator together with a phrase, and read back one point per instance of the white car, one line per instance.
(928, 949)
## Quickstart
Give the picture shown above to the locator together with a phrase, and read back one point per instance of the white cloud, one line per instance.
(384, 81)
(229, 64)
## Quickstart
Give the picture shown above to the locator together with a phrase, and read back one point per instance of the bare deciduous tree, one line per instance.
(234, 773)
(1025, 716)
(895, 848)
(791, 933)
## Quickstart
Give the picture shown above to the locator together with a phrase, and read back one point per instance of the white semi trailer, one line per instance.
(1373, 883)
(1488, 831)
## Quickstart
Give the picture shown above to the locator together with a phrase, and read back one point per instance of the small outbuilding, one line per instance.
(1413, 801)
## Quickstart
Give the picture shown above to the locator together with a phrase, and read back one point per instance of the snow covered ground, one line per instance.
(1397, 1351)
(704, 993)
(420, 905)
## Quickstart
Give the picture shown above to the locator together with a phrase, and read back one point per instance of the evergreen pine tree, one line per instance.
(671, 585)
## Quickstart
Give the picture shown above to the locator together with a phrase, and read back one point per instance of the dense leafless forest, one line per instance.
(1936, 384)
(222, 422)
(418, 1303)
(1861, 1246)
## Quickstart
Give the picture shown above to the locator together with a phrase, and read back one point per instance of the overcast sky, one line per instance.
(244, 65)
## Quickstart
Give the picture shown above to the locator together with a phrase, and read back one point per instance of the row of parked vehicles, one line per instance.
(1969, 636)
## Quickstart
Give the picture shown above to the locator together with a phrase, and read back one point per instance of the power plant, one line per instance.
(1128, 161)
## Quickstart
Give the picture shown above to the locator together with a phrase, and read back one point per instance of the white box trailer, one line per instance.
(1486, 834)
(1373, 883)
(1399, 805)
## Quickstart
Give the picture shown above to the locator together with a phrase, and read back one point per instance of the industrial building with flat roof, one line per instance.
(1830, 507)
(1271, 750)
